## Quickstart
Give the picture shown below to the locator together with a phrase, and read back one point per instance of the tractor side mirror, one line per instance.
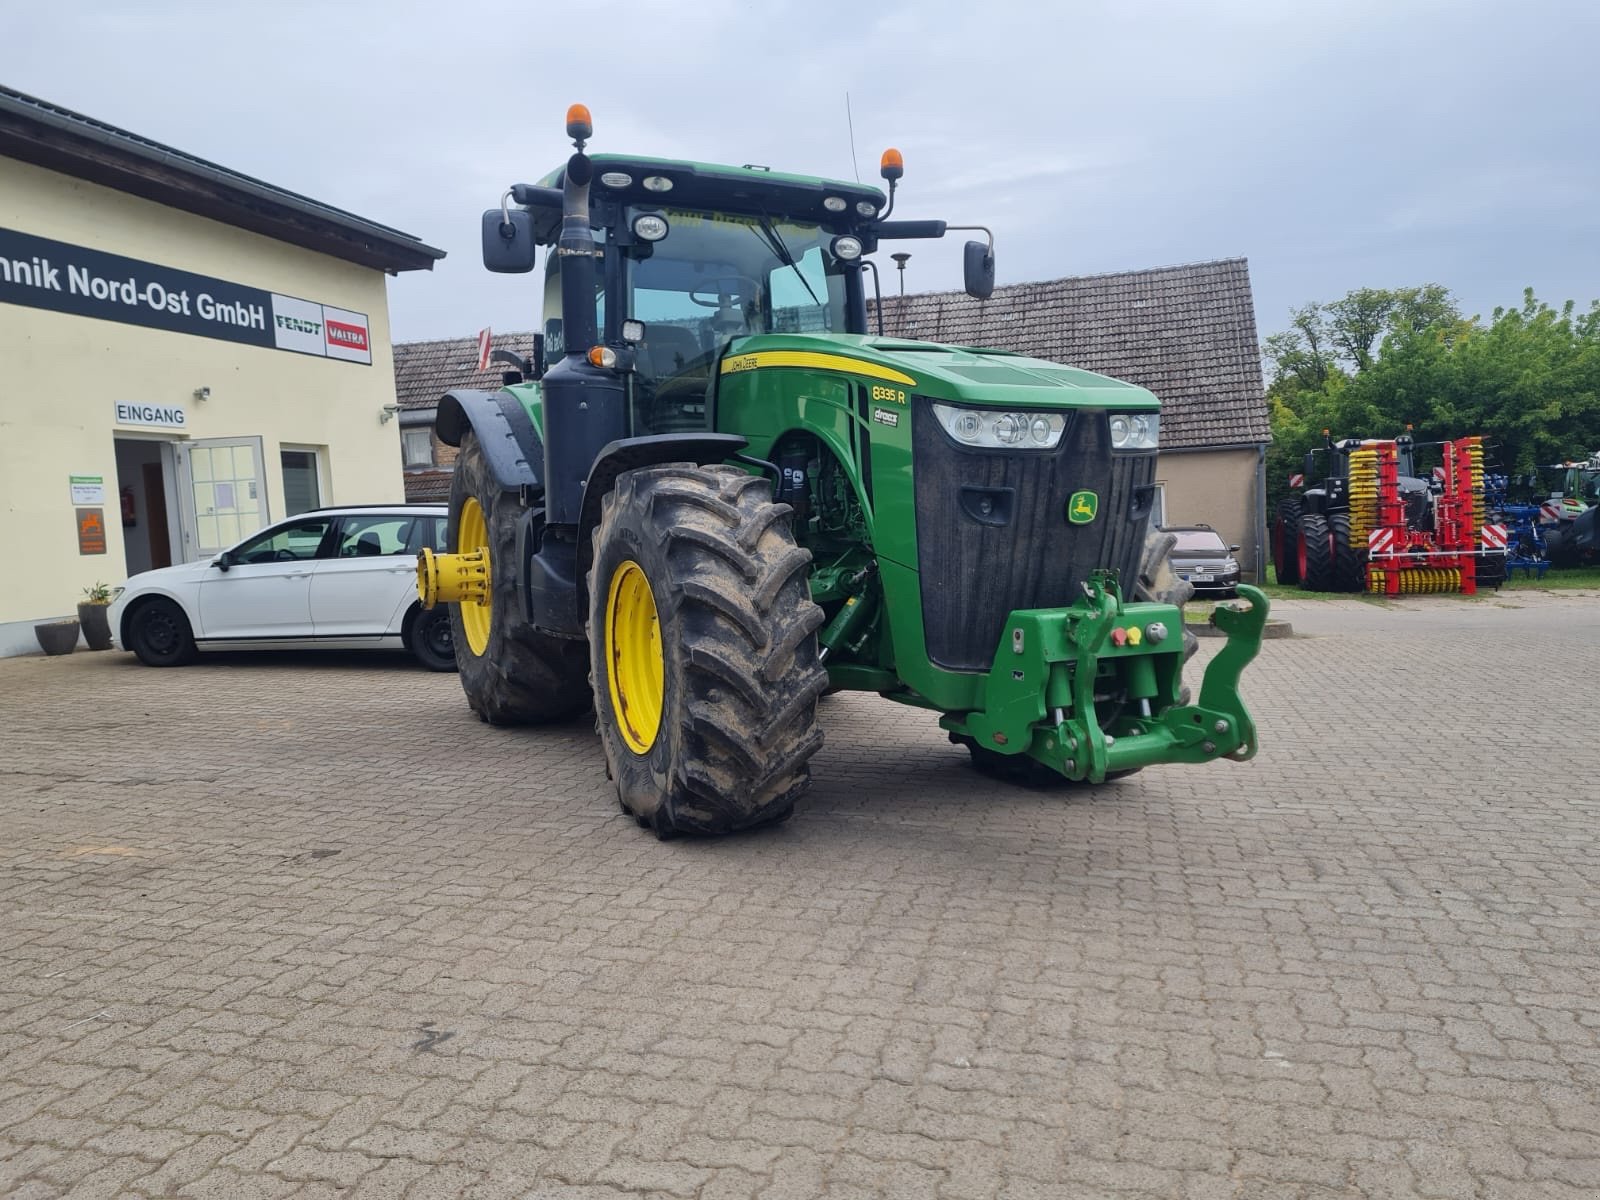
(508, 242)
(978, 270)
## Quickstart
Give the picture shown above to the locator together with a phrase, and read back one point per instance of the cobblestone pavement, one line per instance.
(304, 927)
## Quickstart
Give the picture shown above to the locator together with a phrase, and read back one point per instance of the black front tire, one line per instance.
(736, 631)
(160, 634)
(1316, 541)
(1349, 564)
(522, 676)
(432, 643)
(1285, 554)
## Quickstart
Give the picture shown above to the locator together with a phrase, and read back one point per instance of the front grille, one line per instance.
(976, 572)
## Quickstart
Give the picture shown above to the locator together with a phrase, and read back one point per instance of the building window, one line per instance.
(302, 490)
(416, 447)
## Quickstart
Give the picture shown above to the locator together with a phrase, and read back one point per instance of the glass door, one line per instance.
(222, 493)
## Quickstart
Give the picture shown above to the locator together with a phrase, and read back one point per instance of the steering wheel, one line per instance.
(754, 286)
(285, 555)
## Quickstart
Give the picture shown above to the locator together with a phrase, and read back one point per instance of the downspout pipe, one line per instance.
(1261, 513)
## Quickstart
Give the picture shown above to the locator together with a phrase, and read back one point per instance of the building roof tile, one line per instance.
(1188, 333)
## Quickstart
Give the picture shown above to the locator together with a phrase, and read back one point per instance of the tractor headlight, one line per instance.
(846, 247)
(1135, 431)
(1000, 430)
(648, 227)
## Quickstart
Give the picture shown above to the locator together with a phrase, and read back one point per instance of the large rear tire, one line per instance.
(1315, 553)
(703, 650)
(1285, 532)
(1349, 564)
(512, 673)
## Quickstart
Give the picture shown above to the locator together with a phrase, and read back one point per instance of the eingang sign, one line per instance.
(40, 273)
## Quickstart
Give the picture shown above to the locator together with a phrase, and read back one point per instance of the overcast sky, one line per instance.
(1335, 143)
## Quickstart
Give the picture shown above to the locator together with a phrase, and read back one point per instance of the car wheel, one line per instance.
(431, 641)
(159, 633)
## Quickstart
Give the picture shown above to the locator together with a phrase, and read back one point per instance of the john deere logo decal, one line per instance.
(1082, 507)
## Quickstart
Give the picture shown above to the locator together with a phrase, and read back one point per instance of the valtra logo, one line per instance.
(351, 337)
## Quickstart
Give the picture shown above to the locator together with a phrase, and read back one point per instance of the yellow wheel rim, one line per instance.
(636, 670)
(472, 533)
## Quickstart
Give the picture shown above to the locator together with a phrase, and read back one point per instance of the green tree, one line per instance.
(1527, 379)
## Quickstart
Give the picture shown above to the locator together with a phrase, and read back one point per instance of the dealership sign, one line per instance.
(41, 273)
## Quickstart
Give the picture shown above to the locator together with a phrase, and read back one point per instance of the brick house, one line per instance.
(1188, 333)
(423, 372)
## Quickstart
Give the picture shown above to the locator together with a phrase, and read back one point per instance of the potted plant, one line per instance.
(58, 637)
(92, 616)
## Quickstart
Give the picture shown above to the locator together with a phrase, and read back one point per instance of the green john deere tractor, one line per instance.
(713, 493)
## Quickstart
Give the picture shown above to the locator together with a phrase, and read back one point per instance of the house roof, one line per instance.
(47, 135)
(1188, 333)
(428, 486)
(425, 371)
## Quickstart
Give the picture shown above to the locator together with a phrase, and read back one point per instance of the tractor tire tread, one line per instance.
(1285, 529)
(1318, 537)
(524, 676)
(1349, 564)
(738, 728)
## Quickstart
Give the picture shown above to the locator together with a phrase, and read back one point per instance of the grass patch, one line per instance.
(1572, 579)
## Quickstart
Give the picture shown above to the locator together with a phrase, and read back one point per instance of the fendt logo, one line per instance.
(351, 337)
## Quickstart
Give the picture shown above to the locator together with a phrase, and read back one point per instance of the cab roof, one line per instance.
(713, 185)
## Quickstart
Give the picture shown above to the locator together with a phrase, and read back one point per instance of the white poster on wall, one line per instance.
(88, 489)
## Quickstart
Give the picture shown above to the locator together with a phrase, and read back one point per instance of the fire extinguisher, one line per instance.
(130, 514)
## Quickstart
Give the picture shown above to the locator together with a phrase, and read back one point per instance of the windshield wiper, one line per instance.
(774, 242)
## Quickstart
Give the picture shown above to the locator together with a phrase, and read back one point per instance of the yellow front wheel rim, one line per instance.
(472, 533)
(636, 670)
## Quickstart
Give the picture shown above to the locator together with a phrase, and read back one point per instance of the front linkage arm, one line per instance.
(1050, 691)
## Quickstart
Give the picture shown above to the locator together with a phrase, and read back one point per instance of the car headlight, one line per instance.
(1135, 431)
(1000, 430)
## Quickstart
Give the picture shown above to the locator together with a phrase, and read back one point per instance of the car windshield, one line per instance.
(1199, 541)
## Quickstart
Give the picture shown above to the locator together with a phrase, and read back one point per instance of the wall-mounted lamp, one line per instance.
(202, 393)
(388, 413)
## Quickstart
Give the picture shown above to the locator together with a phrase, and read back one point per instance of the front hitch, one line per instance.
(1093, 690)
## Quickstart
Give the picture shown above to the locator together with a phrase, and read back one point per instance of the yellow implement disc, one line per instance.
(637, 672)
(472, 534)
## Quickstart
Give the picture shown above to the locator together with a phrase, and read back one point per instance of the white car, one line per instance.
(329, 579)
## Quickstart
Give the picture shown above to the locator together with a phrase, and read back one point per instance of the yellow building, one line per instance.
(186, 354)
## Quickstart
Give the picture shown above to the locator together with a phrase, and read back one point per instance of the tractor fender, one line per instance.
(511, 445)
(629, 454)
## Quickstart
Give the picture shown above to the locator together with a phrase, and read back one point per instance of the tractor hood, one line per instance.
(994, 378)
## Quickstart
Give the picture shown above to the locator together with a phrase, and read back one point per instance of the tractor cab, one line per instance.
(687, 258)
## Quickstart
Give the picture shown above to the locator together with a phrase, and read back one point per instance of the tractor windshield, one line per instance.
(715, 277)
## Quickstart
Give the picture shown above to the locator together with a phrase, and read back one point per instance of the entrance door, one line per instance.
(146, 492)
(223, 493)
